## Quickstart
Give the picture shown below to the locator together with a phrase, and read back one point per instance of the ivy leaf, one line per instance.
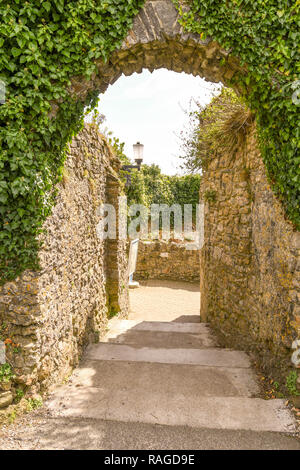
(47, 6)
(16, 52)
(21, 42)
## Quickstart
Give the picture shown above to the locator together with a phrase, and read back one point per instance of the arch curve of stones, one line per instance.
(157, 40)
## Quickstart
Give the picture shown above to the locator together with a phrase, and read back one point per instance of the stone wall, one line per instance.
(167, 260)
(52, 314)
(116, 254)
(250, 263)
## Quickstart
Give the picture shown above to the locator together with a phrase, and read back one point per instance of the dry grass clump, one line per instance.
(223, 125)
(234, 126)
(219, 127)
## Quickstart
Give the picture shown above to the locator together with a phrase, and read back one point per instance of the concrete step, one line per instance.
(161, 339)
(233, 413)
(203, 357)
(160, 334)
(170, 375)
(172, 327)
(142, 378)
(92, 434)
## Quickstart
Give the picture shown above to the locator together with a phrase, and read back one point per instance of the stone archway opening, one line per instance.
(249, 264)
(238, 267)
(246, 245)
(158, 41)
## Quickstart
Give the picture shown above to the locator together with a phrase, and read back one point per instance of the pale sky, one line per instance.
(149, 108)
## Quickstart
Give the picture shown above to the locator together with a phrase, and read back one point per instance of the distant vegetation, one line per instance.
(150, 185)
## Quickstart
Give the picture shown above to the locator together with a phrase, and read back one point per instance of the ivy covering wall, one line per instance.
(264, 35)
(42, 45)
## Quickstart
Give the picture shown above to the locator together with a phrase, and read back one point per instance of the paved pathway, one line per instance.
(158, 381)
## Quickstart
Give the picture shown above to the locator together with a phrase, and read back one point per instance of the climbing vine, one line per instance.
(42, 45)
(264, 35)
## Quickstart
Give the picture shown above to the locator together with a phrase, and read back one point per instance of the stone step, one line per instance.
(190, 381)
(172, 327)
(159, 339)
(93, 434)
(233, 413)
(204, 357)
(160, 335)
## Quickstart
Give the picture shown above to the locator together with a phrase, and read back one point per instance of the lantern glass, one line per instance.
(138, 152)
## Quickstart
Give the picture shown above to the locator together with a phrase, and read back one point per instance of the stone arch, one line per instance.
(157, 40)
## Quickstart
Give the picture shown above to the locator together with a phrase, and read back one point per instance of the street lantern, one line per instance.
(2, 92)
(138, 153)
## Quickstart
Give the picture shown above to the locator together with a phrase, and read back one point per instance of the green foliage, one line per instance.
(12, 416)
(210, 195)
(19, 394)
(34, 403)
(43, 45)
(264, 35)
(185, 190)
(136, 193)
(291, 383)
(221, 126)
(151, 186)
(6, 373)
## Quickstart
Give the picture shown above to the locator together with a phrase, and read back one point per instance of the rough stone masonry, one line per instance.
(250, 262)
(52, 314)
(168, 260)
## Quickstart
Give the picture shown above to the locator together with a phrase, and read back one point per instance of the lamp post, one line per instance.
(138, 154)
(2, 92)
